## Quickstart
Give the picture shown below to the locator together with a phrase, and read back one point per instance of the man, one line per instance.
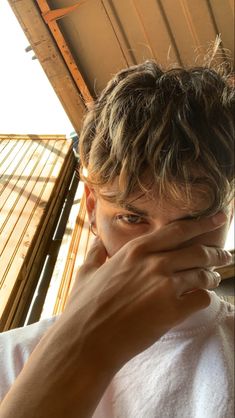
(141, 336)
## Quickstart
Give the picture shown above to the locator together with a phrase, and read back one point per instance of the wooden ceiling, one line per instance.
(81, 44)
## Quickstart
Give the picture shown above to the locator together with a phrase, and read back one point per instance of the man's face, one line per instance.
(116, 225)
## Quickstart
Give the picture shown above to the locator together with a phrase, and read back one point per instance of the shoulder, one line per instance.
(15, 348)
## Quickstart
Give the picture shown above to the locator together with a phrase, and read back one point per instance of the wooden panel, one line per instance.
(30, 269)
(187, 22)
(224, 21)
(21, 200)
(28, 197)
(76, 241)
(7, 156)
(147, 31)
(90, 28)
(15, 172)
(104, 36)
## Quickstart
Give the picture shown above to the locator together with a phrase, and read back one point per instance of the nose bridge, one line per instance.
(162, 221)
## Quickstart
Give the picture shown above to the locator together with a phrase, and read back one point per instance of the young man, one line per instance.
(141, 335)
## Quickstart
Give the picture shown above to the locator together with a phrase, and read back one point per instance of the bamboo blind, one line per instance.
(33, 173)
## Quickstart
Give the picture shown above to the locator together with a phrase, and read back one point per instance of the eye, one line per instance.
(130, 219)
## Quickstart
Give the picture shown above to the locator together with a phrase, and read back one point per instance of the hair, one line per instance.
(165, 130)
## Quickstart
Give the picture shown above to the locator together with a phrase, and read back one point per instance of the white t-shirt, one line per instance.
(188, 373)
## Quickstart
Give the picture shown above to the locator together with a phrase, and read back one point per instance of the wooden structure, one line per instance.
(76, 241)
(80, 45)
(34, 176)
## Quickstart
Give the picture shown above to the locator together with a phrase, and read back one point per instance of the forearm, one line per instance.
(63, 378)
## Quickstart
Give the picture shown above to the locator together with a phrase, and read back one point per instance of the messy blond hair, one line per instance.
(175, 125)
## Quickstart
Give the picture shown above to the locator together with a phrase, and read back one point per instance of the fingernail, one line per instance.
(228, 256)
(217, 277)
(219, 219)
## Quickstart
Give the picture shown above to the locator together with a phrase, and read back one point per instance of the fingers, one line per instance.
(176, 233)
(194, 301)
(182, 231)
(196, 256)
(186, 281)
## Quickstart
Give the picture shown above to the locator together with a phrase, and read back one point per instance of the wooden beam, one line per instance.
(43, 44)
(31, 137)
(55, 14)
(64, 48)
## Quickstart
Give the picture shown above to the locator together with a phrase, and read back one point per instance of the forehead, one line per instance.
(150, 201)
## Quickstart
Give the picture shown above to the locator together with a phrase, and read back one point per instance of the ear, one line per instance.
(90, 201)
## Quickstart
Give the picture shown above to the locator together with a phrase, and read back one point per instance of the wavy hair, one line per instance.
(173, 127)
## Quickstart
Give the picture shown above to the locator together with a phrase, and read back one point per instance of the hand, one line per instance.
(131, 300)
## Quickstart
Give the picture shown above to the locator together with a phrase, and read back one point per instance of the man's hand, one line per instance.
(150, 285)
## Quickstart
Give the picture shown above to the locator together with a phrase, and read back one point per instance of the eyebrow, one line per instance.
(187, 218)
(142, 212)
(132, 208)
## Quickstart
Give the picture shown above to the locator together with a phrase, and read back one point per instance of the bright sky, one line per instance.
(28, 102)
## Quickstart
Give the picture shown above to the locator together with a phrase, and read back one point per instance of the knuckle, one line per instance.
(203, 253)
(204, 277)
(221, 256)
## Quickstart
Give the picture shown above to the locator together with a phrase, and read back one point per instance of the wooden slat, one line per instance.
(76, 257)
(29, 270)
(15, 172)
(84, 244)
(3, 144)
(17, 222)
(25, 193)
(7, 174)
(71, 256)
(30, 137)
(65, 51)
(63, 255)
(13, 260)
(38, 180)
(7, 156)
